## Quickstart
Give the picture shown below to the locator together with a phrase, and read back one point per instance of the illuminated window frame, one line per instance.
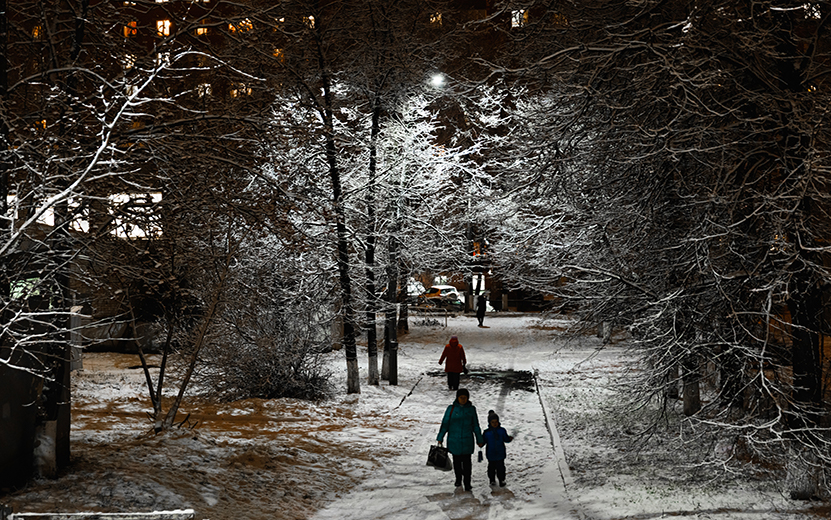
(519, 18)
(80, 223)
(130, 29)
(162, 59)
(240, 89)
(128, 61)
(812, 11)
(163, 27)
(242, 26)
(150, 226)
(204, 89)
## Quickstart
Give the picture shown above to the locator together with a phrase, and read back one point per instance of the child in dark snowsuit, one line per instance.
(495, 438)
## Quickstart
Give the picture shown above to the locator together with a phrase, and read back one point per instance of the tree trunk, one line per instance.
(692, 391)
(391, 321)
(353, 383)
(805, 307)
(802, 479)
(385, 359)
(371, 333)
(672, 383)
(403, 314)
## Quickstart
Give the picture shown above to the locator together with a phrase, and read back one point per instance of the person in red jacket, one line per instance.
(454, 353)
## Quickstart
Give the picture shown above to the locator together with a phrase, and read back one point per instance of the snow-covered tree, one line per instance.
(679, 150)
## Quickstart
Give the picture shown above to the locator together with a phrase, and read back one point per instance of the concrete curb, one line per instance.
(551, 426)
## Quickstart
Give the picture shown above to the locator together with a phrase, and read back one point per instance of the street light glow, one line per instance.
(437, 80)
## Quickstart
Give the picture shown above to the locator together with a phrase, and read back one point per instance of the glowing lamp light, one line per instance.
(437, 80)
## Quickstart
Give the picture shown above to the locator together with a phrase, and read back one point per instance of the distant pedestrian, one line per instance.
(454, 353)
(461, 425)
(481, 307)
(495, 438)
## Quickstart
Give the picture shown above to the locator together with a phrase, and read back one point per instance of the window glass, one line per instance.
(163, 27)
(131, 29)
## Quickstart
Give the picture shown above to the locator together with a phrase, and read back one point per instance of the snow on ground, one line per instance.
(575, 456)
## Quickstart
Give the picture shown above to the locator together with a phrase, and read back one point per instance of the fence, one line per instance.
(430, 311)
(183, 514)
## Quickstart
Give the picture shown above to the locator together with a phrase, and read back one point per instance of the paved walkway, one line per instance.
(406, 489)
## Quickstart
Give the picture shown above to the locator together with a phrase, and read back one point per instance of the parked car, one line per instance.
(444, 296)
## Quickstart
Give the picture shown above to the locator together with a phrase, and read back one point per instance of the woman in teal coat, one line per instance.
(461, 424)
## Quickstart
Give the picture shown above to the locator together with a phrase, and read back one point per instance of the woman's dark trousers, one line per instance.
(462, 466)
(453, 380)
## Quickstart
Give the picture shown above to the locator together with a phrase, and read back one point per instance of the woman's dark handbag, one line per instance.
(439, 458)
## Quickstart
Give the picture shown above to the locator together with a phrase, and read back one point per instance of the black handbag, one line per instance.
(439, 458)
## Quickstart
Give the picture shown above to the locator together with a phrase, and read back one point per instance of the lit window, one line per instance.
(241, 26)
(202, 31)
(310, 21)
(240, 89)
(519, 18)
(163, 27)
(163, 59)
(280, 55)
(203, 89)
(47, 217)
(40, 125)
(435, 18)
(812, 11)
(11, 201)
(37, 32)
(127, 2)
(131, 29)
(162, 1)
(135, 215)
(128, 61)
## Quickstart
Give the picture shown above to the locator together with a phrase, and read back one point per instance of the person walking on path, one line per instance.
(495, 438)
(461, 425)
(481, 307)
(454, 353)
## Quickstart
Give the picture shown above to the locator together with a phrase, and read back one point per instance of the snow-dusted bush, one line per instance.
(284, 365)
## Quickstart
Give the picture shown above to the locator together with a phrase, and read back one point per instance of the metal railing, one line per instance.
(429, 311)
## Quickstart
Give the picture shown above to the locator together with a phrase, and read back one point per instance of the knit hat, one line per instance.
(491, 416)
(463, 391)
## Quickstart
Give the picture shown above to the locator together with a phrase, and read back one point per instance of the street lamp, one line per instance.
(437, 80)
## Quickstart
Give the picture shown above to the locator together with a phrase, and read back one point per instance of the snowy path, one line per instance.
(406, 489)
